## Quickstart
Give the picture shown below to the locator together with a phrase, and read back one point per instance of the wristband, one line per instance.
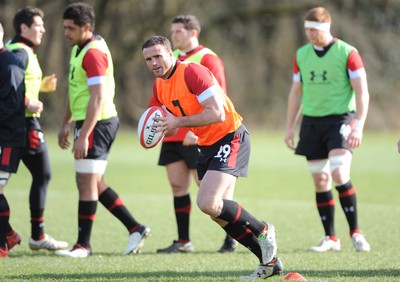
(358, 125)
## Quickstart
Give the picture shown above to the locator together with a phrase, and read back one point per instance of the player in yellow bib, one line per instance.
(91, 106)
(29, 28)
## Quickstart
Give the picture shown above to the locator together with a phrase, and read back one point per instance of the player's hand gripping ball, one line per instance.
(148, 137)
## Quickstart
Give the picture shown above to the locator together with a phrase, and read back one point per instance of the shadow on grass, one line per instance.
(348, 273)
(129, 276)
(198, 276)
(42, 253)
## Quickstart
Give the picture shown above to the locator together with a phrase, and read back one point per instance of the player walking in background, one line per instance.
(179, 152)
(193, 99)
(91, 106)
(29, 28)
(12, 130)
(330, 90)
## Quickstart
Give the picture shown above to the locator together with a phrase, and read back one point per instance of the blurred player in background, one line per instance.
(179, 153)
(29, 28)
(12, 130)
(193, 99)
(330, 90)
(91, 106)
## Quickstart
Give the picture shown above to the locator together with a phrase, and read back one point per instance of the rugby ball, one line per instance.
(148, 138)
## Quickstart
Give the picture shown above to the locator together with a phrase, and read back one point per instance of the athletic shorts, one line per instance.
(10, 158)
(230, 154)
(35, 141)
(101, 138)
(319, 136)
(175, 151)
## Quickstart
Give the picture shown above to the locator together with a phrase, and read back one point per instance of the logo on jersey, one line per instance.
(320, 76)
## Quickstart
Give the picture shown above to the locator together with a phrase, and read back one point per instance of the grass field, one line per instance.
(278, 189)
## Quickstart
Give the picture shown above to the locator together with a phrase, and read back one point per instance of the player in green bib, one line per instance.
(330, 91)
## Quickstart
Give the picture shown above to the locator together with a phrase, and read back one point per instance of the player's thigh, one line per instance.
(179, 176)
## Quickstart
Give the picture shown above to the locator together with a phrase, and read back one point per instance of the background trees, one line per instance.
(255, 38)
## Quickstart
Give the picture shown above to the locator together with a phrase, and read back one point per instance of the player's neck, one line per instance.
(328, 41)
(191, 46)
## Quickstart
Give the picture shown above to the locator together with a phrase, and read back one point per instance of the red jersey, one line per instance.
(182, 94)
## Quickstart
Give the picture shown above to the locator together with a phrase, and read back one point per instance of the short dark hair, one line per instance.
(157, 40)
(25, 16)
(189, 22)
(81, 14)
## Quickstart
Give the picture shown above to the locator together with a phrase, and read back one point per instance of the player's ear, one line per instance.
(87, 27)
(23, 27)
(194, 33)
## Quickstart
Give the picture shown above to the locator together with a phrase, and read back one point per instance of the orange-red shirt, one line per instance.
(182, 94)
(210, 60)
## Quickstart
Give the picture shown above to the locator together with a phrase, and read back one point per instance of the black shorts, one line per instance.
(230, 154)
(318, 136)
(101, 138)
(175, 151)
(10, 158)
(35, 140)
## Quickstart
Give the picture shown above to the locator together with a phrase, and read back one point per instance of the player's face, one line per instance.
(317, 37)
(180, 36)
(159, 60)
(75, 34)
(35, 32)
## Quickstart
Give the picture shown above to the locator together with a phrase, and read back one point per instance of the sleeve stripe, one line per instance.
(209, 92)
(96, 80)
(357, 73)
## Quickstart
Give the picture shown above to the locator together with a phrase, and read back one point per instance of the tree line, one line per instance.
(256, 39)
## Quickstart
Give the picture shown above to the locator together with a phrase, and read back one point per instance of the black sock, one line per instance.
(37, 224)
(232, 212)
(111, 201)
(326, 209)
(245, 237)
(182, 207)
(86, 216)
(348, 201)
(4, 220)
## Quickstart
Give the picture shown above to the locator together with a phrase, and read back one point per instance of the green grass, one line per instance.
(278, 189)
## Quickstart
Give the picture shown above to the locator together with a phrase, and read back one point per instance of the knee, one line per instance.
(47, 176)
(43, 177)
(340, 177)
(322, 182)
(340, 168)
(178, 189)
(209, 207)
(203, 205)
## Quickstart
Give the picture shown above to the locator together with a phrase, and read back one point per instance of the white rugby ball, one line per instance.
(148, 138)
